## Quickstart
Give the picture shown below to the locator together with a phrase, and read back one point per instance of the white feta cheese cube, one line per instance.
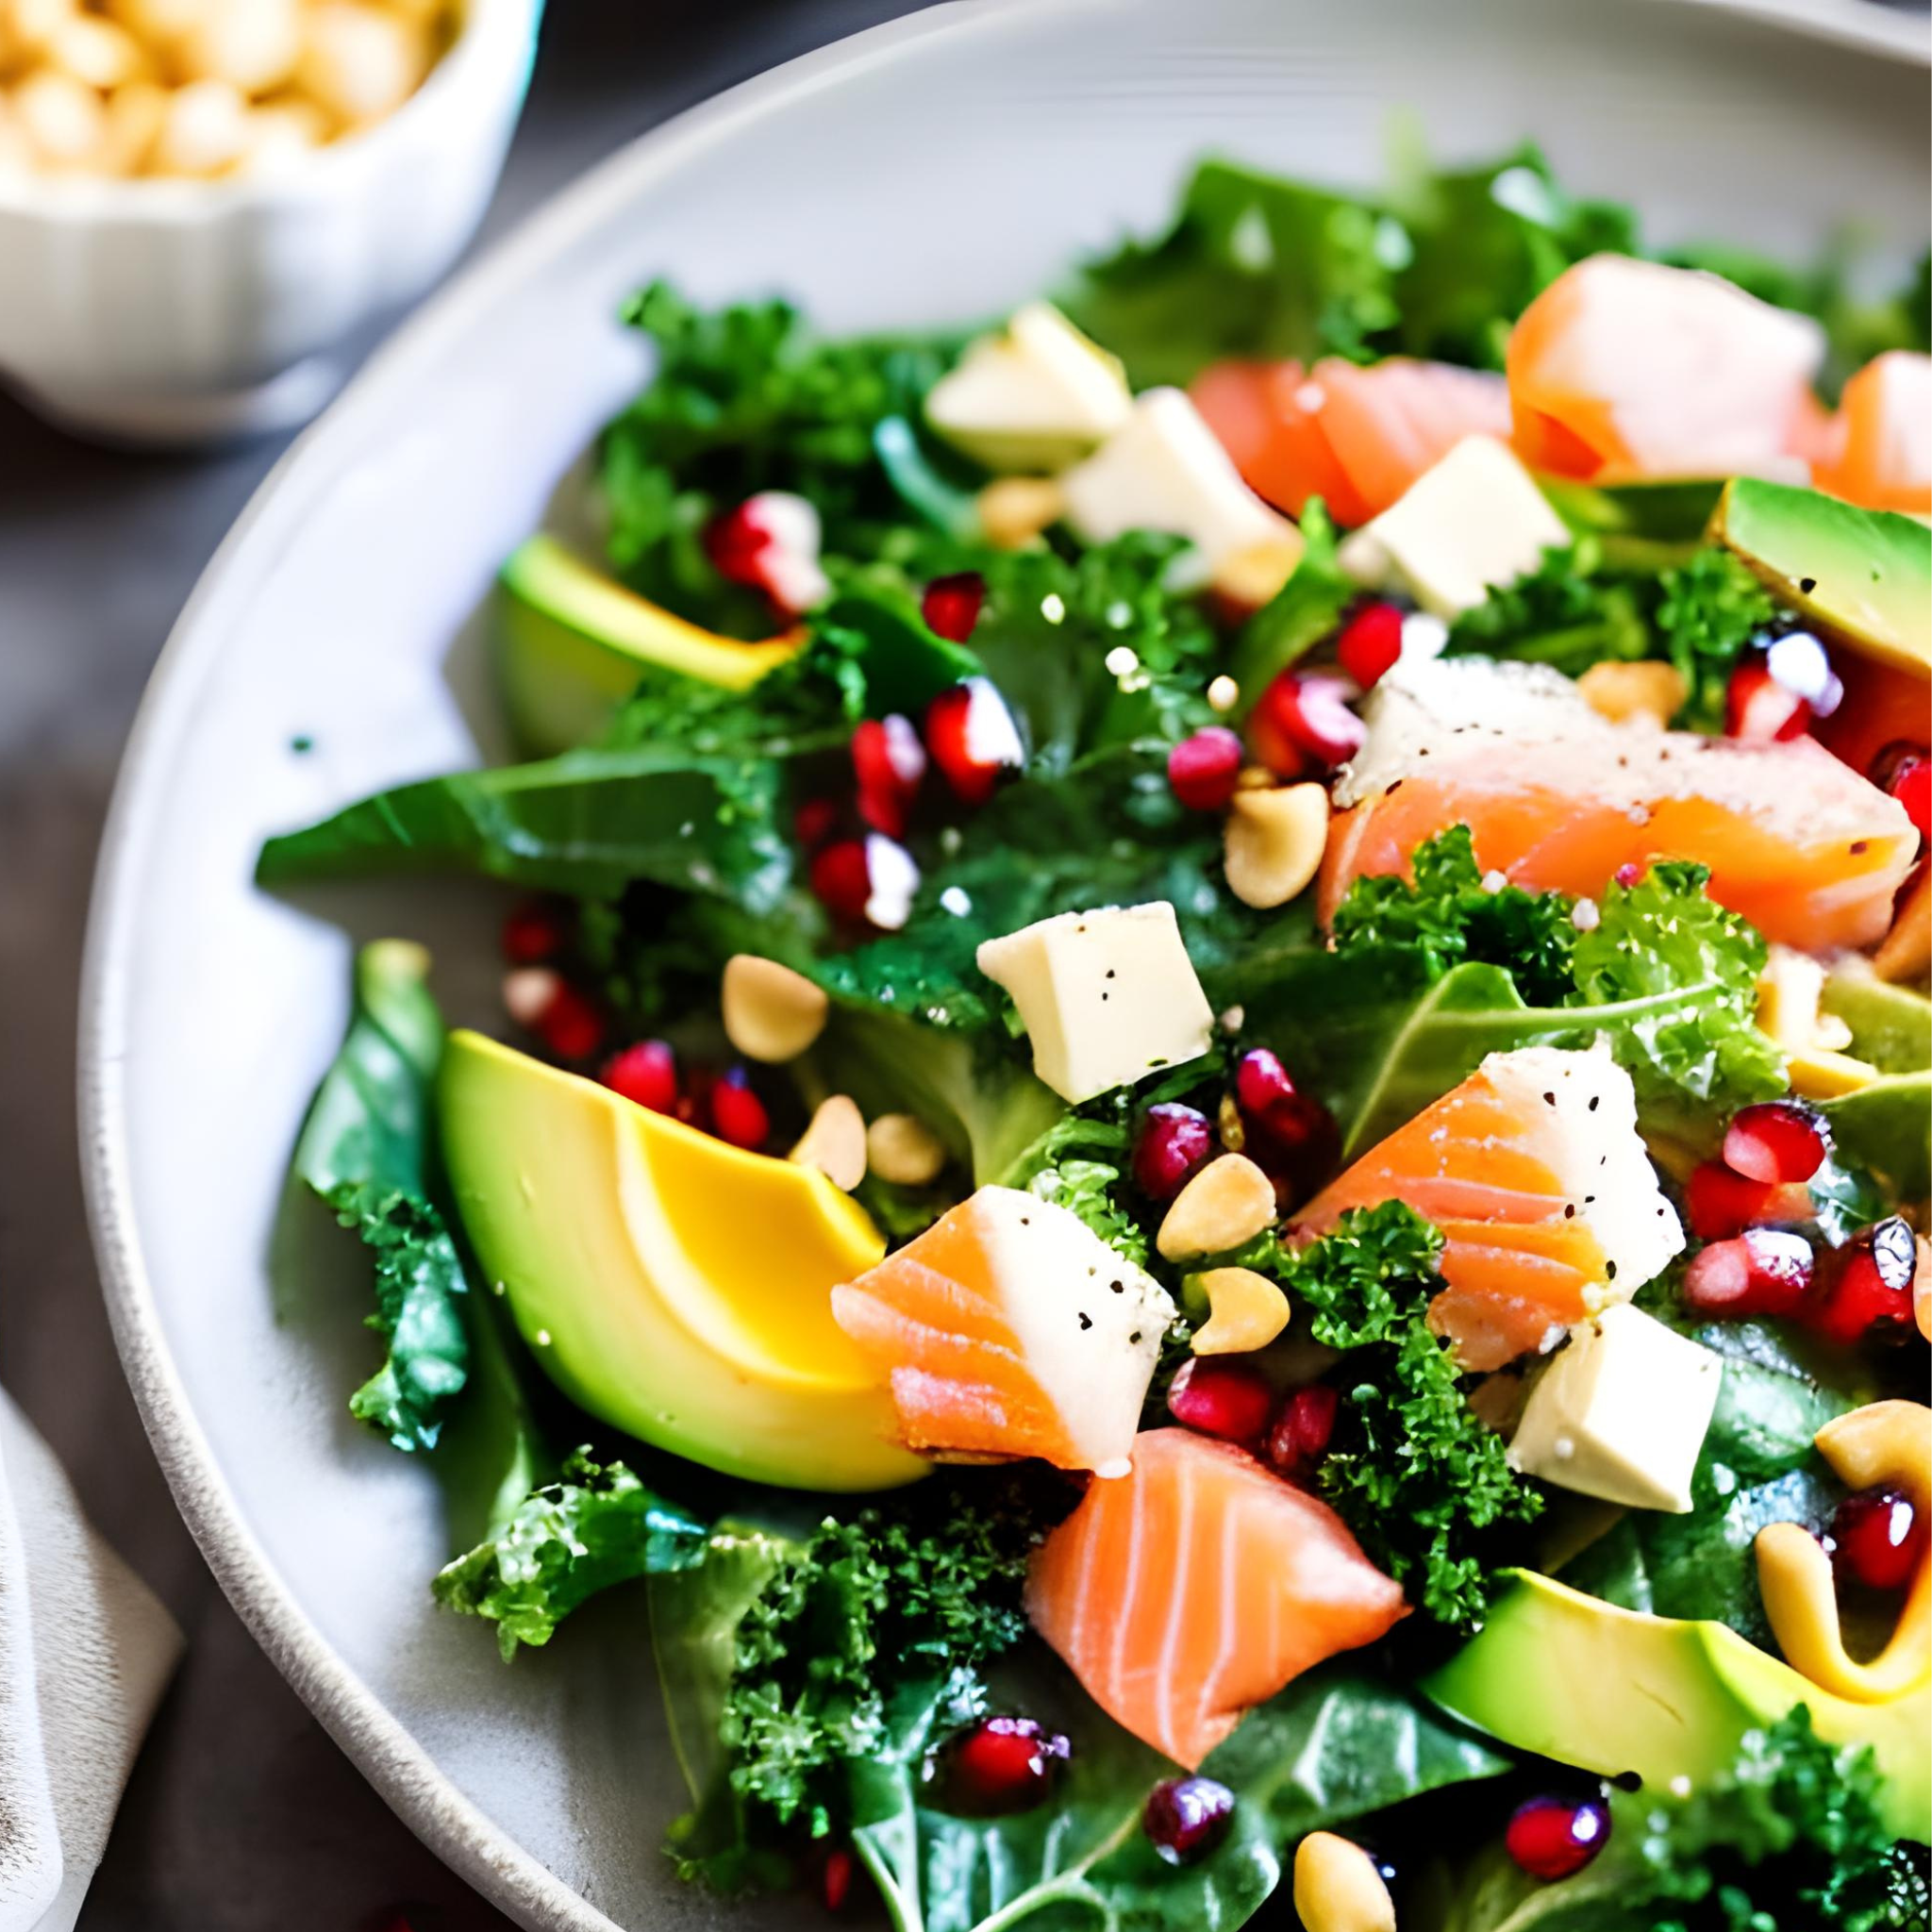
(1620, 1413)
(1105, 996)
(1472, 522)
(1165, 469)
(1038, 395)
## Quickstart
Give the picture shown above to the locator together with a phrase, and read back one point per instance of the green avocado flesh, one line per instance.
(1863, 575)
(572, 643)
(1615, 1691)
(674, 1287)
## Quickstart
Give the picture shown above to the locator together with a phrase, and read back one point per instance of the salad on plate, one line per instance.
(1212, 1148)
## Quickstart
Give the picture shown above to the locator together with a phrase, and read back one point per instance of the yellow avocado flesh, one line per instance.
(573, 644)
(1614, 1691)
(671, 1285)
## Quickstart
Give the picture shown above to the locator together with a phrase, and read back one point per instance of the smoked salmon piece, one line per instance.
(1623, 370)
(1881, 450)
(1559, 798)
(1355, 437)
(1009, 1328)
(1198, 1587)
(1547, 1201)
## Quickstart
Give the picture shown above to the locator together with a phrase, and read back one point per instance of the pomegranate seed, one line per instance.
(1720, 1202)
(1629, 874)
(738, 1115)
(1173, 1140)
(1202, 770)
(771, 542)
(841, 878)
(1765, 1271)
(1221, 1396)
(1260, 1080)
(815, 822)
(1301, 1431)
(888, 761)
(1867, 1282)
(646, 1073)
(835, 1881)
(1778, 1142)
(1554, 1838)
(974, 740)
(1878, 1539)
(951, 606)
(1186, 1816)
(1370, 643)
(1905, 770)
(532, 934)
(1291, 1136)
(1001, 1764)
(1310, 712)
(1760, 708)
(544, 1003)
(736, 540)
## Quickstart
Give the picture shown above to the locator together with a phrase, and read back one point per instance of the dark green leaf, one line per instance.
(1307, 609)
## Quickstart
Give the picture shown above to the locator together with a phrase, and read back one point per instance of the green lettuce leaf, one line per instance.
(595, 1527)
(1307, 609)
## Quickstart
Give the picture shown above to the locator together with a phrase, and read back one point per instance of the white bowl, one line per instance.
(176, 311)
(929, 170)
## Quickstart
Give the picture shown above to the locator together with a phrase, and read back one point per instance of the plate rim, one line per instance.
(403, 1772)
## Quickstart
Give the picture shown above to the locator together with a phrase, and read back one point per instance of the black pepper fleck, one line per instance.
(1086, 1319)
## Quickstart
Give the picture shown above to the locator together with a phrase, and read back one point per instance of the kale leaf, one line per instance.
(1411, 1471)
(597, 1526)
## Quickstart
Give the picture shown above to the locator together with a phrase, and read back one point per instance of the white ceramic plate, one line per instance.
(930, 170)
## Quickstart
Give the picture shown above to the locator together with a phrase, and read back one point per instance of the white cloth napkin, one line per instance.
(85, 1650)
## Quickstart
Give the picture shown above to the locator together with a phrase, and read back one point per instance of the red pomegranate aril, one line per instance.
(1878, 1539)
(736, 541)
(1778, 1142)
(835, 1879)
(1370, 643)
(888, 761)
(1304, 1429)
(1907, 770)
(646, 1074)
(1310, 711)
(1219, 1397)
(1202, 769)
(1765, 1271)
(1003, 1764)
(1556, 1837)
(842, 880)
(1291, 1136)
(1718, 1202)
(1757, 708)
(1173, 1140)
(972, 740)
(1185, 1817)
(815, 821)
(738, 1115)
(1627, 874)
(951, 606)
(1260, 1080)
(1867, 1283)
(533, 934)
(546, 1004)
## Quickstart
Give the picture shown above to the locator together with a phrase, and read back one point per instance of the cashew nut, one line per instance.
(834, 1142)
(1338, 1889)
(1885, 1444)
(904, 1150)
(1273, 844)
(1014, 510)
(1229, 1202)
(1248, 1311)
(1621, 691)
(771, 1013)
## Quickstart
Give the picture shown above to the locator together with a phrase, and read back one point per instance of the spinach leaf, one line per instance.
(364, 1149)
(1338, 1743)
(1307, 609)
(597, 1526)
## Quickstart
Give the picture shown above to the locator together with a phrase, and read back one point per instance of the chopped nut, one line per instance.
(135, 113)
(771, 1013)
(1248, 1311)
(253, 43)
(834, 1142)
(61, 117)
(359, 62)
(97, 52)
(1254, 576)
(1622, 691)
(1230, 1201)
(904, 1151)
(1273, 844)
(1338, 1889)
(1907, 953)
(1015, 511)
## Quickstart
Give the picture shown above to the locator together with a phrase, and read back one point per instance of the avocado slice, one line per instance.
(572, 643)
(1615, 1691)
(1863, 575)
(673, 1286)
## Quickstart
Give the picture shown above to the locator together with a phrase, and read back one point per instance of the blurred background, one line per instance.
(241, 1814)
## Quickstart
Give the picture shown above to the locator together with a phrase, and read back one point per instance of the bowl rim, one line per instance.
(494, 45)
(403, 1772)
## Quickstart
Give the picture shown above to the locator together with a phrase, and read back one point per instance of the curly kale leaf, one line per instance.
(595, 1527)
(1412, 1471)
(1708, 610)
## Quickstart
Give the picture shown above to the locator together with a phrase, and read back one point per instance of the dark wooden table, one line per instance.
(242, 1816)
